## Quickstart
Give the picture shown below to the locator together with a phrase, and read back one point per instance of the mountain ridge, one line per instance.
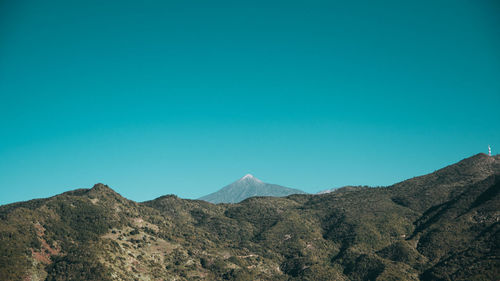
(440, 226)
(465, 172)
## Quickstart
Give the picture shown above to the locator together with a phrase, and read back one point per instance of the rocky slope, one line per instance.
(441, 226)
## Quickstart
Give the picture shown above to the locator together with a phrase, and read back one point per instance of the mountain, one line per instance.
(440, 226)
(246, 187)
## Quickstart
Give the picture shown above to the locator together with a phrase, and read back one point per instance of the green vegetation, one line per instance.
(443, 226)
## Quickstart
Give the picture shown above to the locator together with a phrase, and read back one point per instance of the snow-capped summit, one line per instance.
(248, 186)
(249, 177)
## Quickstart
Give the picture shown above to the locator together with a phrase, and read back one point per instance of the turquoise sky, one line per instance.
(184, 97)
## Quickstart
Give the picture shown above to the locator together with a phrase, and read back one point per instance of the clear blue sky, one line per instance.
(184, 97)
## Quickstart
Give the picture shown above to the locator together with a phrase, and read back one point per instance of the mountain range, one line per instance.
(440, 226)
(246, 187)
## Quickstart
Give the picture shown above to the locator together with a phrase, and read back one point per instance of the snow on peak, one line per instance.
(249, 177)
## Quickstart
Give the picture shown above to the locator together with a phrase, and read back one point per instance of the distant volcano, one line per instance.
(248, 186)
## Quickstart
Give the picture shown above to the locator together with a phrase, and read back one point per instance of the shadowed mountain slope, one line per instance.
(441, 226)
(423, 192)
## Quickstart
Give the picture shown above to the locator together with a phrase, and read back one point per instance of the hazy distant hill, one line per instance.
(342, 189)
(246, 187)
(440, 226)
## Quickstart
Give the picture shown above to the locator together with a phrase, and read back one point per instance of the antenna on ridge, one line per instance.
(489, 150)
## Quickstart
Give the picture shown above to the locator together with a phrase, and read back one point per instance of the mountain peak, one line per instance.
(248, 186)
(249, 177)
(100, 186)
(100, 190)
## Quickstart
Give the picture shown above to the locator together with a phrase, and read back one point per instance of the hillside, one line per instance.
(441, 226)
(246, 187)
